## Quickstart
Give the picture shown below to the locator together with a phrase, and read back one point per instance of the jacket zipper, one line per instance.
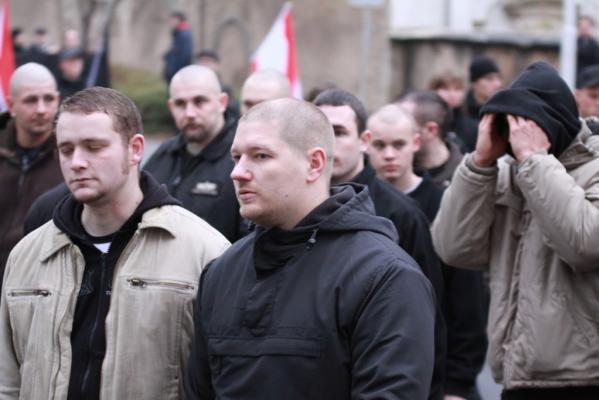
(29, 292)
(145, 283)
(92, 334)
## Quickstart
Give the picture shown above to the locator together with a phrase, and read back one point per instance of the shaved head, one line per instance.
(301, 124)
(30, 74)
(262, 85)
(391, 115)
(195, 73)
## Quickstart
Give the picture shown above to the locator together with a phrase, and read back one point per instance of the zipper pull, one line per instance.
(137, 282)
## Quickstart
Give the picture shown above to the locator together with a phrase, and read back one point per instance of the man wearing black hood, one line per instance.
(532, 216)
(324, 304)
(98, 303)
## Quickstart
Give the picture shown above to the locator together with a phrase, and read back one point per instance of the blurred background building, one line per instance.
(407, 41)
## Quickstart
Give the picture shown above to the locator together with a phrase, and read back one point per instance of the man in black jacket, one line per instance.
(347, 115)
(195, 165)
(28, 156)
(324, 304)
(392, 150)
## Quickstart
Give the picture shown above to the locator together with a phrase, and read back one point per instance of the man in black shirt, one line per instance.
(195, 165)
(347, 115)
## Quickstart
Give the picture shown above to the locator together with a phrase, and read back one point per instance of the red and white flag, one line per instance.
(277, 50)
(7, 55)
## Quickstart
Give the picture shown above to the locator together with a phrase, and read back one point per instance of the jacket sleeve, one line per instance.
(392, 341)
(567, 213)
(198, 380)
(10, 378)
(461, 230)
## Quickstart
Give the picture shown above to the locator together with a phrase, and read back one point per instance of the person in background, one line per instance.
(195, 165)
(180, 53)
(266, 84)
(210, 58)
(587, 92)
(587, 48)
(348, 116)
(485, 81)
(392, 149)
(28, 157)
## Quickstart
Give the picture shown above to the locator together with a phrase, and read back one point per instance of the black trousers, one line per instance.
(565, 393)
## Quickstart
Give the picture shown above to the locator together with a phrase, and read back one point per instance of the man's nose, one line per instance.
(240, 172)
(41, 106)
(190, 110)
(78, 160)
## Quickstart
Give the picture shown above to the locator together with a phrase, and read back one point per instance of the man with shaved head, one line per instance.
(348, 116)
(324, 304)
(28, 158)
(262, 85)
(195, 165)
(394, 143)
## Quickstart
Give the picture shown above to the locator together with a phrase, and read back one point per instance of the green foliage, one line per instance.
(150, 94)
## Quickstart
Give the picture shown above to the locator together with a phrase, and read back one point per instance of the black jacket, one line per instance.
(202, 183)
(332, 309)
(463, 309)
(466, 123)
(24, 175)
(88, 338)
(415, 238)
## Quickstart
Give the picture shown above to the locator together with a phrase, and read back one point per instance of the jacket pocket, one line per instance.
(149, 283)
(152, 328)
(271, 346)
(30, 313)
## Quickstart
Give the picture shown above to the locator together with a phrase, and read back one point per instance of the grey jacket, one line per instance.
(536, 226)
(149, 327)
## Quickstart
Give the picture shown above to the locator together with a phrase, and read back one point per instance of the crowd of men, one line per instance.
(305, 250)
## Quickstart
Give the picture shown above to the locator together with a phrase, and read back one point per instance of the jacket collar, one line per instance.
(581, 150)
(217, 148)
(152, 219)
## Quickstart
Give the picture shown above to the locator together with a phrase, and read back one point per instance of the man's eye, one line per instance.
(378, 146)
(235, 158)
(262, 156)
(180, 104)
(65, 150)
(198, 102)
(95, 147)
(49, 98)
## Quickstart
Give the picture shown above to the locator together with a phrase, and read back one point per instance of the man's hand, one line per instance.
(490, 145)
(526, 137)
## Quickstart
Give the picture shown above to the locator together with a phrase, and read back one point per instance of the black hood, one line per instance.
(541, 95)
(67, 214)
(349, 208)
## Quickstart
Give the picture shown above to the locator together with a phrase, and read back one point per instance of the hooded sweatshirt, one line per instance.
(542, 96)
(331, 309)
(88, 337)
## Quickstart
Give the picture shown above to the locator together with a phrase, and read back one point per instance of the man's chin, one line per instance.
(86, 196)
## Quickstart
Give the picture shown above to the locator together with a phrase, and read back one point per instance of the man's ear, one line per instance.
(430, 130)
(365, 138)
(223, 99)
(417, 141)
(10, 104)
(317, 162)
(136, 149)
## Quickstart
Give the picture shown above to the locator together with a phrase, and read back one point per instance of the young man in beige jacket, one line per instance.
(98, 303)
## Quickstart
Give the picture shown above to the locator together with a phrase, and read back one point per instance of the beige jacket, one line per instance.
(537, 228)
(149, 327)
